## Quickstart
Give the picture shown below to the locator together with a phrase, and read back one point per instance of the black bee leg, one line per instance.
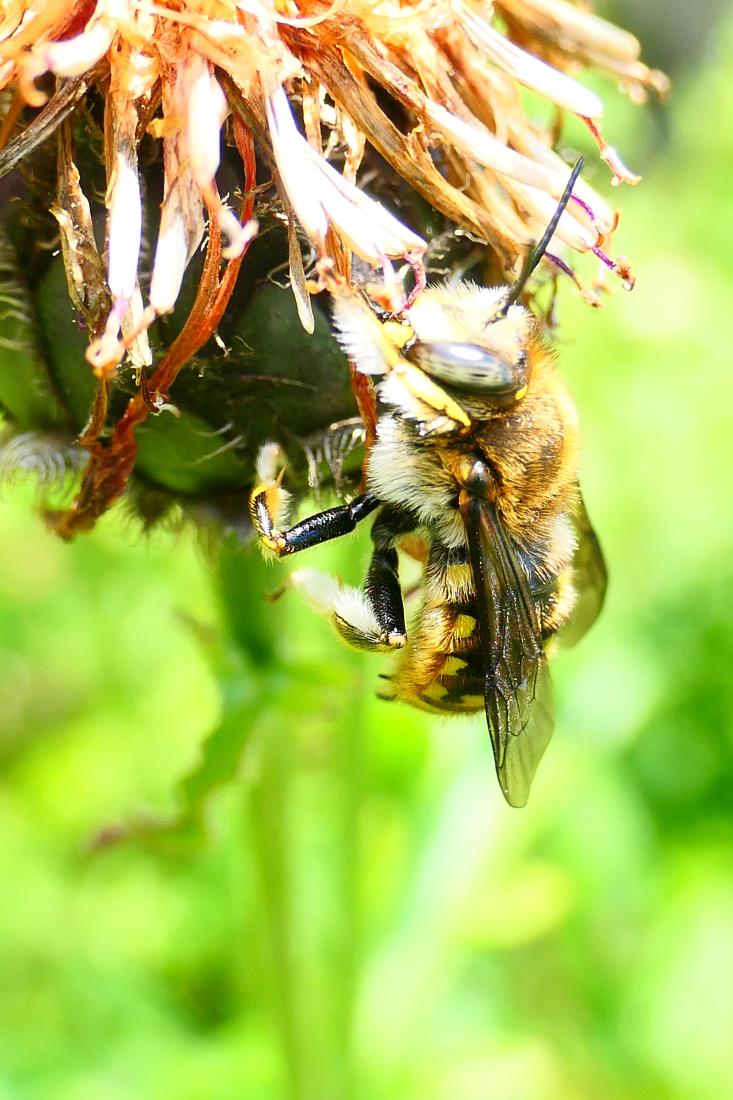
(382, 585)
(371, 617)
(268, 506)
(321, 527)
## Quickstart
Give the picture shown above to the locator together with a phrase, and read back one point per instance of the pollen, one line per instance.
(397, 334)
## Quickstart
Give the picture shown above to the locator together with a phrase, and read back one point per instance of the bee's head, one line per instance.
(477, 339)
(464, 340)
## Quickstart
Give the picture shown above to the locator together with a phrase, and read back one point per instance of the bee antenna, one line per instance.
(534, 255)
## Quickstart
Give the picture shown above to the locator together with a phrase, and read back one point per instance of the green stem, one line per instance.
(304, 813)
(269, 810)
(349, 773)
(255, 626)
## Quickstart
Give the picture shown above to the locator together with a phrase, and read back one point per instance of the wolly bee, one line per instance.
(476, 459)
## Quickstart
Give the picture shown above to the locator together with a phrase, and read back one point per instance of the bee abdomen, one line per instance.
(458, 693)
(443, 666)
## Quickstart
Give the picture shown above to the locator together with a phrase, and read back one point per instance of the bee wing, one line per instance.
(590, 579)
(517, 687)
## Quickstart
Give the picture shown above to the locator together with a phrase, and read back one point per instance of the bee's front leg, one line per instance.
(369, 618)
(269, 505)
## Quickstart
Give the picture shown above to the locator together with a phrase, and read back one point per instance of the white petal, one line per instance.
(370, 230)
(475, 141)
(238, 236)
(205, 112)
(294, 166)
(394, 237)
(171, 257)
(603, 215)
(132, 325)
(74, 56)
(542, 207)
(532, 72)
(587, 29)
(125, 228)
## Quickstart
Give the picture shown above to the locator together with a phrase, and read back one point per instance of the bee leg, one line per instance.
(268, 508)
(382, 585)
(373, 617)
(348, 609)
(312, 531)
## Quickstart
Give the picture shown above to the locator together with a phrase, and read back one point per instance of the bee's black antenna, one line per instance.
(535, 254)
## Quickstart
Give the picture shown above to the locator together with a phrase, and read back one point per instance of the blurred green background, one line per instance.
(337, 903)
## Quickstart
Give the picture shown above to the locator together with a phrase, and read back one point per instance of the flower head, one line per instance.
(305, 90)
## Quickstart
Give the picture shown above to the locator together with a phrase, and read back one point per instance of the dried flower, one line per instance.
(296, 79)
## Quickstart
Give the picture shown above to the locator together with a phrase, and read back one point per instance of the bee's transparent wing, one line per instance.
(517, 688)
(589, 577)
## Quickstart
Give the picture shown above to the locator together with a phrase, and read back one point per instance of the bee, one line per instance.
(476, 462)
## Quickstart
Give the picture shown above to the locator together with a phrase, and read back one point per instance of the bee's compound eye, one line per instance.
(465, 366)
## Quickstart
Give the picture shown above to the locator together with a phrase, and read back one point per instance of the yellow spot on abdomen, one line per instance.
(452, 665)
(458, 578)
(464, 626)
(474, 702)
(435, 691)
